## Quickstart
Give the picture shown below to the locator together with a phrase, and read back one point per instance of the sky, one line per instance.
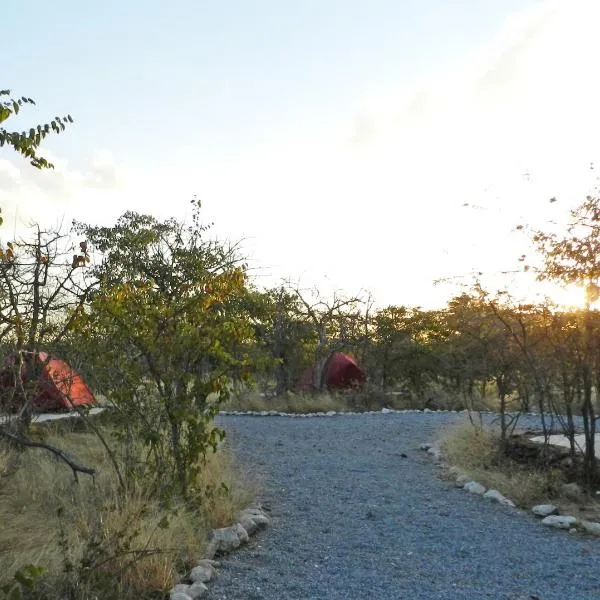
(353, 146)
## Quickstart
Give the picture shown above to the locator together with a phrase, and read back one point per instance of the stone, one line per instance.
(180, 592)
(435, 452)
(461, 481)
(544, 510)
(202, 573)
(496, 496)
(474, 488)
(241, 533)
(225, 540)
(559, 521)
(197, 590)
(591, 527)
(424, 447)
(572, 491)
(254, 518)
(248, 523)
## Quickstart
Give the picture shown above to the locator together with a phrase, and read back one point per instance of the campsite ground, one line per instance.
(351, 517)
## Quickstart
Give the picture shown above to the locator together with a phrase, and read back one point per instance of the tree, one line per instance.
(283, 336)
(574, 258)
(164, 332)
(328, 319)
(43, 287)
(27, 143)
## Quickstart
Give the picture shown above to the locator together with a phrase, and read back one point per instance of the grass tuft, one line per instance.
(477, 452)
(96, 541)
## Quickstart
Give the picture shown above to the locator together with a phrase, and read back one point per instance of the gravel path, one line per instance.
(352, 519)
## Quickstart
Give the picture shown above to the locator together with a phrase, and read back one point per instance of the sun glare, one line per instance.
(570, 296)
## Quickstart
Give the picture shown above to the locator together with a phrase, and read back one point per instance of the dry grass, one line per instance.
(290, 402)
(371, 398)
(476, 452)
(123, 537)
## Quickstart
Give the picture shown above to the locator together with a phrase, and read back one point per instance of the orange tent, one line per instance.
(56, 384)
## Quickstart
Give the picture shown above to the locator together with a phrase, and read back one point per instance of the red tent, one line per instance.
(57, 384)
(342, 372)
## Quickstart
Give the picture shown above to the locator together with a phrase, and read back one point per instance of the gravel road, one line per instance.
(352, 519)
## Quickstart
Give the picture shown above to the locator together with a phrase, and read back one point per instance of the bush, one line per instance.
(93, 539)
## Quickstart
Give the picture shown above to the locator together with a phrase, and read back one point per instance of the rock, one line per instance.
(225, 540)
(461, 481)
(202, 573)
(496, 496)
(241, 533)
(180, 592)
(435, 452)
(591, 527)
(252, 519)
(474, 488)
(385, 411)
(197, 590)
(248, 523)
(559, 521)
(572, 491)
(424, 447)
(331, 413)
(544, 510)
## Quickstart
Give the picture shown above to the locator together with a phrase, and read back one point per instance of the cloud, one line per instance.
(379, 204)
(57, 195)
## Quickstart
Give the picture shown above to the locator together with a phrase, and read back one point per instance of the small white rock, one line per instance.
(474, 488)
(424, 446)
(591, 527)
(559, 521)
(202, 573)
(197, 590)
(496, 496)
(180, 592)
(544, 510)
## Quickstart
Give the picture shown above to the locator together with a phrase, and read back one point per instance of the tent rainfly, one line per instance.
(342, 372)
(55, 385)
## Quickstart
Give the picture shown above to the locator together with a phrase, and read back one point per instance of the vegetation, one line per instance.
(165, 324)
(477, 451)
(27, 143)
(94, 540)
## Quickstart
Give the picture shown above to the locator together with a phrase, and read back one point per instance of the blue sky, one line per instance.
(311, 129)
(166, 80)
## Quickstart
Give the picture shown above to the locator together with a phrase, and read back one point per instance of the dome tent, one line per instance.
(54, 384)
(341, 372)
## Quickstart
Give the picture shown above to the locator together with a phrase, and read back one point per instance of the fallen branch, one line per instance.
(53, 449)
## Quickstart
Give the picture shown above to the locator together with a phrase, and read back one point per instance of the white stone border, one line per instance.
(548, 513)
(333, 413)
(221, 541)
